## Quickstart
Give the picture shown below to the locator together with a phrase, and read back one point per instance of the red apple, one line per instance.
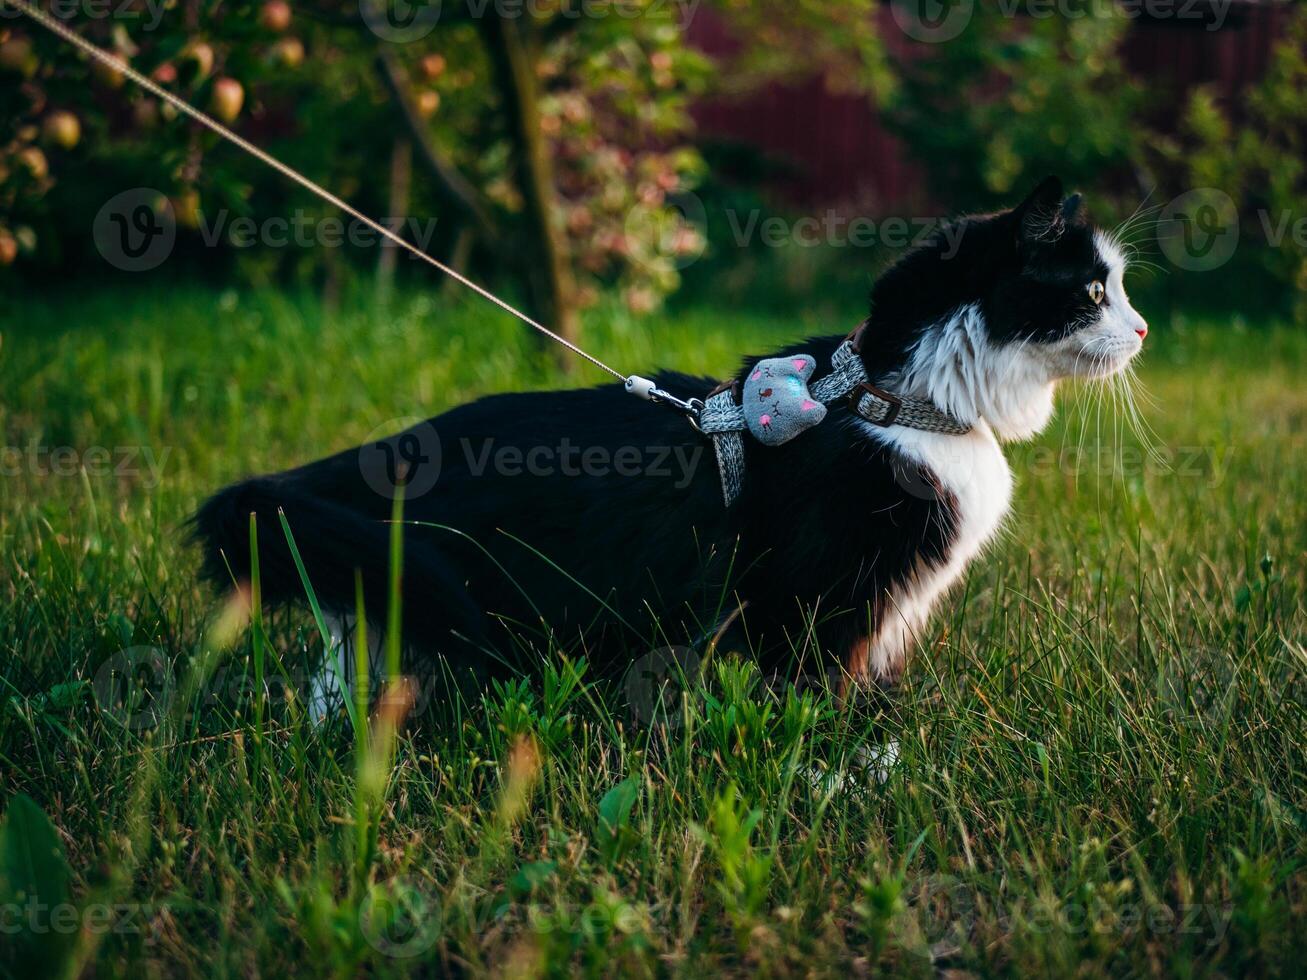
(228, 96)
(275, 15)
(432, 65)
(62, 129)
(640, 300)
(8, 248)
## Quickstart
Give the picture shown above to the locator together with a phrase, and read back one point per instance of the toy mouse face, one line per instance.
(777, 403)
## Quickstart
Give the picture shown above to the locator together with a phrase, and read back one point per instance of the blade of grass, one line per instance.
(329, 651)
(257, 637)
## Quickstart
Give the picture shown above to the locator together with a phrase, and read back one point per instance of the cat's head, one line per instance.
(1061, 294)
(993, 310)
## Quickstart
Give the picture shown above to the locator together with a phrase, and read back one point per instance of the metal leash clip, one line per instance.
(650, 392)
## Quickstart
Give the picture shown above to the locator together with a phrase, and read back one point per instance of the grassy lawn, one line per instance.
(1102, 738)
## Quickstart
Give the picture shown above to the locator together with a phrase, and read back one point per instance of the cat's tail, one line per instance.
(334, 541)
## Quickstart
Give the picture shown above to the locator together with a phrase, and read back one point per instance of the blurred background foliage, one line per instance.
(557, 148)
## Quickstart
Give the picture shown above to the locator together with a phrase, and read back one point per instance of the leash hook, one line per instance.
(650, 392)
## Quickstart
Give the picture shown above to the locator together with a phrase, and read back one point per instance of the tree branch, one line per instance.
(451, 185)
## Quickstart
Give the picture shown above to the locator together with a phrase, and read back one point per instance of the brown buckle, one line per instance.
(733, 387)
(855, 336)
(867, 388)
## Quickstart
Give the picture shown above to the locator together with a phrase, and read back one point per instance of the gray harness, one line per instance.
(724, 415)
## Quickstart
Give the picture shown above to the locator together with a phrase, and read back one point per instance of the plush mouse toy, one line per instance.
(777, 403)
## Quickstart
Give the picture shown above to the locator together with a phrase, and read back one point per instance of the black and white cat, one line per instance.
(840, 544)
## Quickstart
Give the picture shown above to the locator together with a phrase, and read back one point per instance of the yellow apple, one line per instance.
(427, 103)
(62, 129)
(34, 160)
(228, 96)
(289, 51)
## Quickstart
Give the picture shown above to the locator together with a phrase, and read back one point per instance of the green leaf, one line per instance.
(34, 879)
(32, 863)
(531, 876)
(615, 808)
(614, 834)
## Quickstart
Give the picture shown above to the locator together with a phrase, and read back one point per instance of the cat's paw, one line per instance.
(869, 766)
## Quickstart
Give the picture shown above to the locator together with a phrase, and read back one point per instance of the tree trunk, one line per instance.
(512, 44)
(401, 172)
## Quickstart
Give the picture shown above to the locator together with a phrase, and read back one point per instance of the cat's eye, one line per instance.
(1096, 291)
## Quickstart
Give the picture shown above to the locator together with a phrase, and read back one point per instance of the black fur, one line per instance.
(611, 564)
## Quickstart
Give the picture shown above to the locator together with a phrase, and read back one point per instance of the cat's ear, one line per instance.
(1040, 217)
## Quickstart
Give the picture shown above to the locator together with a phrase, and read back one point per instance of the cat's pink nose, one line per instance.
(1142, 331)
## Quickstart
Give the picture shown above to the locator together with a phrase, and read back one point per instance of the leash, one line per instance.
(634, 383)
(773, 414)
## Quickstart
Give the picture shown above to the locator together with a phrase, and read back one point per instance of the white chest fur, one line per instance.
(973, 471)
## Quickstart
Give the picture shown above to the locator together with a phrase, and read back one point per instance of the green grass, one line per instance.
(1102, 737)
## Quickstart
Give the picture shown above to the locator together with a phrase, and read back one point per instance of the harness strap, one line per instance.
(722, 417)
